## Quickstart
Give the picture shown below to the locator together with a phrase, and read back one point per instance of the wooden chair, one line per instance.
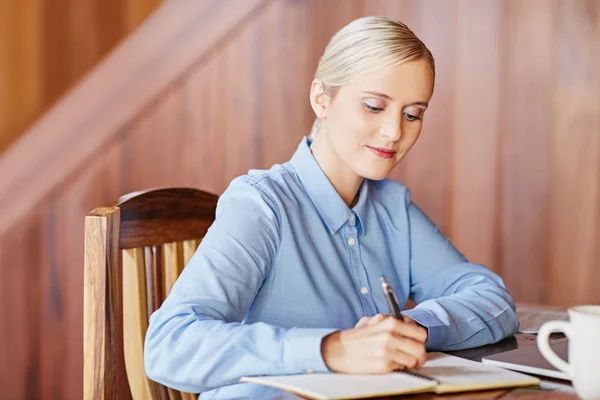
(135, 249)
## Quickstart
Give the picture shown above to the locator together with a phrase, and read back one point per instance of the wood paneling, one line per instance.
(21, 56)
(525, 130)
(508, 163)
(206, 118)
(242, 95)
(474, 185)
(283, 24)
(153, 144)
(22, 329)
(327, 17)
(48, 45)
(574, 207)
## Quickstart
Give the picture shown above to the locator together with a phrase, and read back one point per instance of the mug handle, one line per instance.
(542, 341)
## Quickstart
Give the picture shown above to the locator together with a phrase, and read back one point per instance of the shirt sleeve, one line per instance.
(461, 304)
(197, 341)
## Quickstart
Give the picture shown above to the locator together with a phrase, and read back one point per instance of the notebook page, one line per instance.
(345, 386)
(456, 374)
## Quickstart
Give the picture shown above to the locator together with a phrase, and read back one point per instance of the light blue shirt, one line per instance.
(286, 262)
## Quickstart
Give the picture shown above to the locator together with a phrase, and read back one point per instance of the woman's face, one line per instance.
(372, 124)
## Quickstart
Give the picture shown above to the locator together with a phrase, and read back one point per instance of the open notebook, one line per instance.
(442, 373)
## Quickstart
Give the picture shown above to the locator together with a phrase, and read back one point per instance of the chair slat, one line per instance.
(135, 324)
(177, 255)
(173, 265)
(189, 248)
(155, 295)
(148, 279)
(157, 277)
(174, 394)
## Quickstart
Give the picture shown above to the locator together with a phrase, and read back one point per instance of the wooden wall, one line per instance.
(508, 163)
(48, 45)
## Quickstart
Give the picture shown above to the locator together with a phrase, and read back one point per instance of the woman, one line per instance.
(287, 278)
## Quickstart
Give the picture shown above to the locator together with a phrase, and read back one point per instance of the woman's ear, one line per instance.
(319, 100)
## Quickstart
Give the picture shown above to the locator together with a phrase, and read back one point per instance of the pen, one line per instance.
(391, 298)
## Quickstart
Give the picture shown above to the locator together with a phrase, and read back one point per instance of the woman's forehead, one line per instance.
(412, 79)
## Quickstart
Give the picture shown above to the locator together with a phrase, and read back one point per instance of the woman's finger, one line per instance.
(413, 348)
(400, 328)
(368, 321)
(376, 319)
(403, 359)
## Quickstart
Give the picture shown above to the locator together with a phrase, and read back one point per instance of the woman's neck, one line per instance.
(345, 181)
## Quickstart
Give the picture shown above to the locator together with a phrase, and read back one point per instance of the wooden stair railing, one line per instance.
(159, 52)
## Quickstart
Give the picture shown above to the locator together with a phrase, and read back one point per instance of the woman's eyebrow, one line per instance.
(385, 96)
(418, 103)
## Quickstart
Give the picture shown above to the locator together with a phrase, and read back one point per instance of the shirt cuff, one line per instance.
(302, 350)
(435, 328)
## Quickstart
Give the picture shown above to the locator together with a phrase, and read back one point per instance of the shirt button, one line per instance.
(351, 241)
(310, 371)
(364, 290)
(351, 217)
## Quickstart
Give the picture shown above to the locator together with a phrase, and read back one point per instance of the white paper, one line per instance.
(458, 374)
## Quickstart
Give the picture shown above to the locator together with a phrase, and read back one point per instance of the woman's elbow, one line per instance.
(158, 359)
(154, 361)
(511, 321)
(505, 325)
(167, 363)
(153, 372)
(514, 323)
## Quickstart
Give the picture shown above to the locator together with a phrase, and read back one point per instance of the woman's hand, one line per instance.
(366, 321)
(377, 344)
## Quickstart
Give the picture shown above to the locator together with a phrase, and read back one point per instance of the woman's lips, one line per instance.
(383, 153)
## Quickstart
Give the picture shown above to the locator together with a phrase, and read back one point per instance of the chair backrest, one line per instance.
(135, 248)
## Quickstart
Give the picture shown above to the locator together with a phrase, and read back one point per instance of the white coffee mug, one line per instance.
(583, 331)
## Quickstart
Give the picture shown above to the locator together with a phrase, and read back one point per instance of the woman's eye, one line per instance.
(411, 117)
(372, 109)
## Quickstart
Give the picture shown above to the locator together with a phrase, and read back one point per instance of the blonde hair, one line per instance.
(364, 46)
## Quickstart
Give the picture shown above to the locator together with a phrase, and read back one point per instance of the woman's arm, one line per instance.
(195, 341)
(462, 304)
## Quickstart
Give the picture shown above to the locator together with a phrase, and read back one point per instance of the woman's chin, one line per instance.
(375, 174)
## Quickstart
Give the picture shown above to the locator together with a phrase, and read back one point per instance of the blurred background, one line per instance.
(100, 98)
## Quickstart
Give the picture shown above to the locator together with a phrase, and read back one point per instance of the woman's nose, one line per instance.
(390, 131)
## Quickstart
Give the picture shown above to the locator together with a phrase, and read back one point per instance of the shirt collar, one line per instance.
(361, 206)
(331, 207)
